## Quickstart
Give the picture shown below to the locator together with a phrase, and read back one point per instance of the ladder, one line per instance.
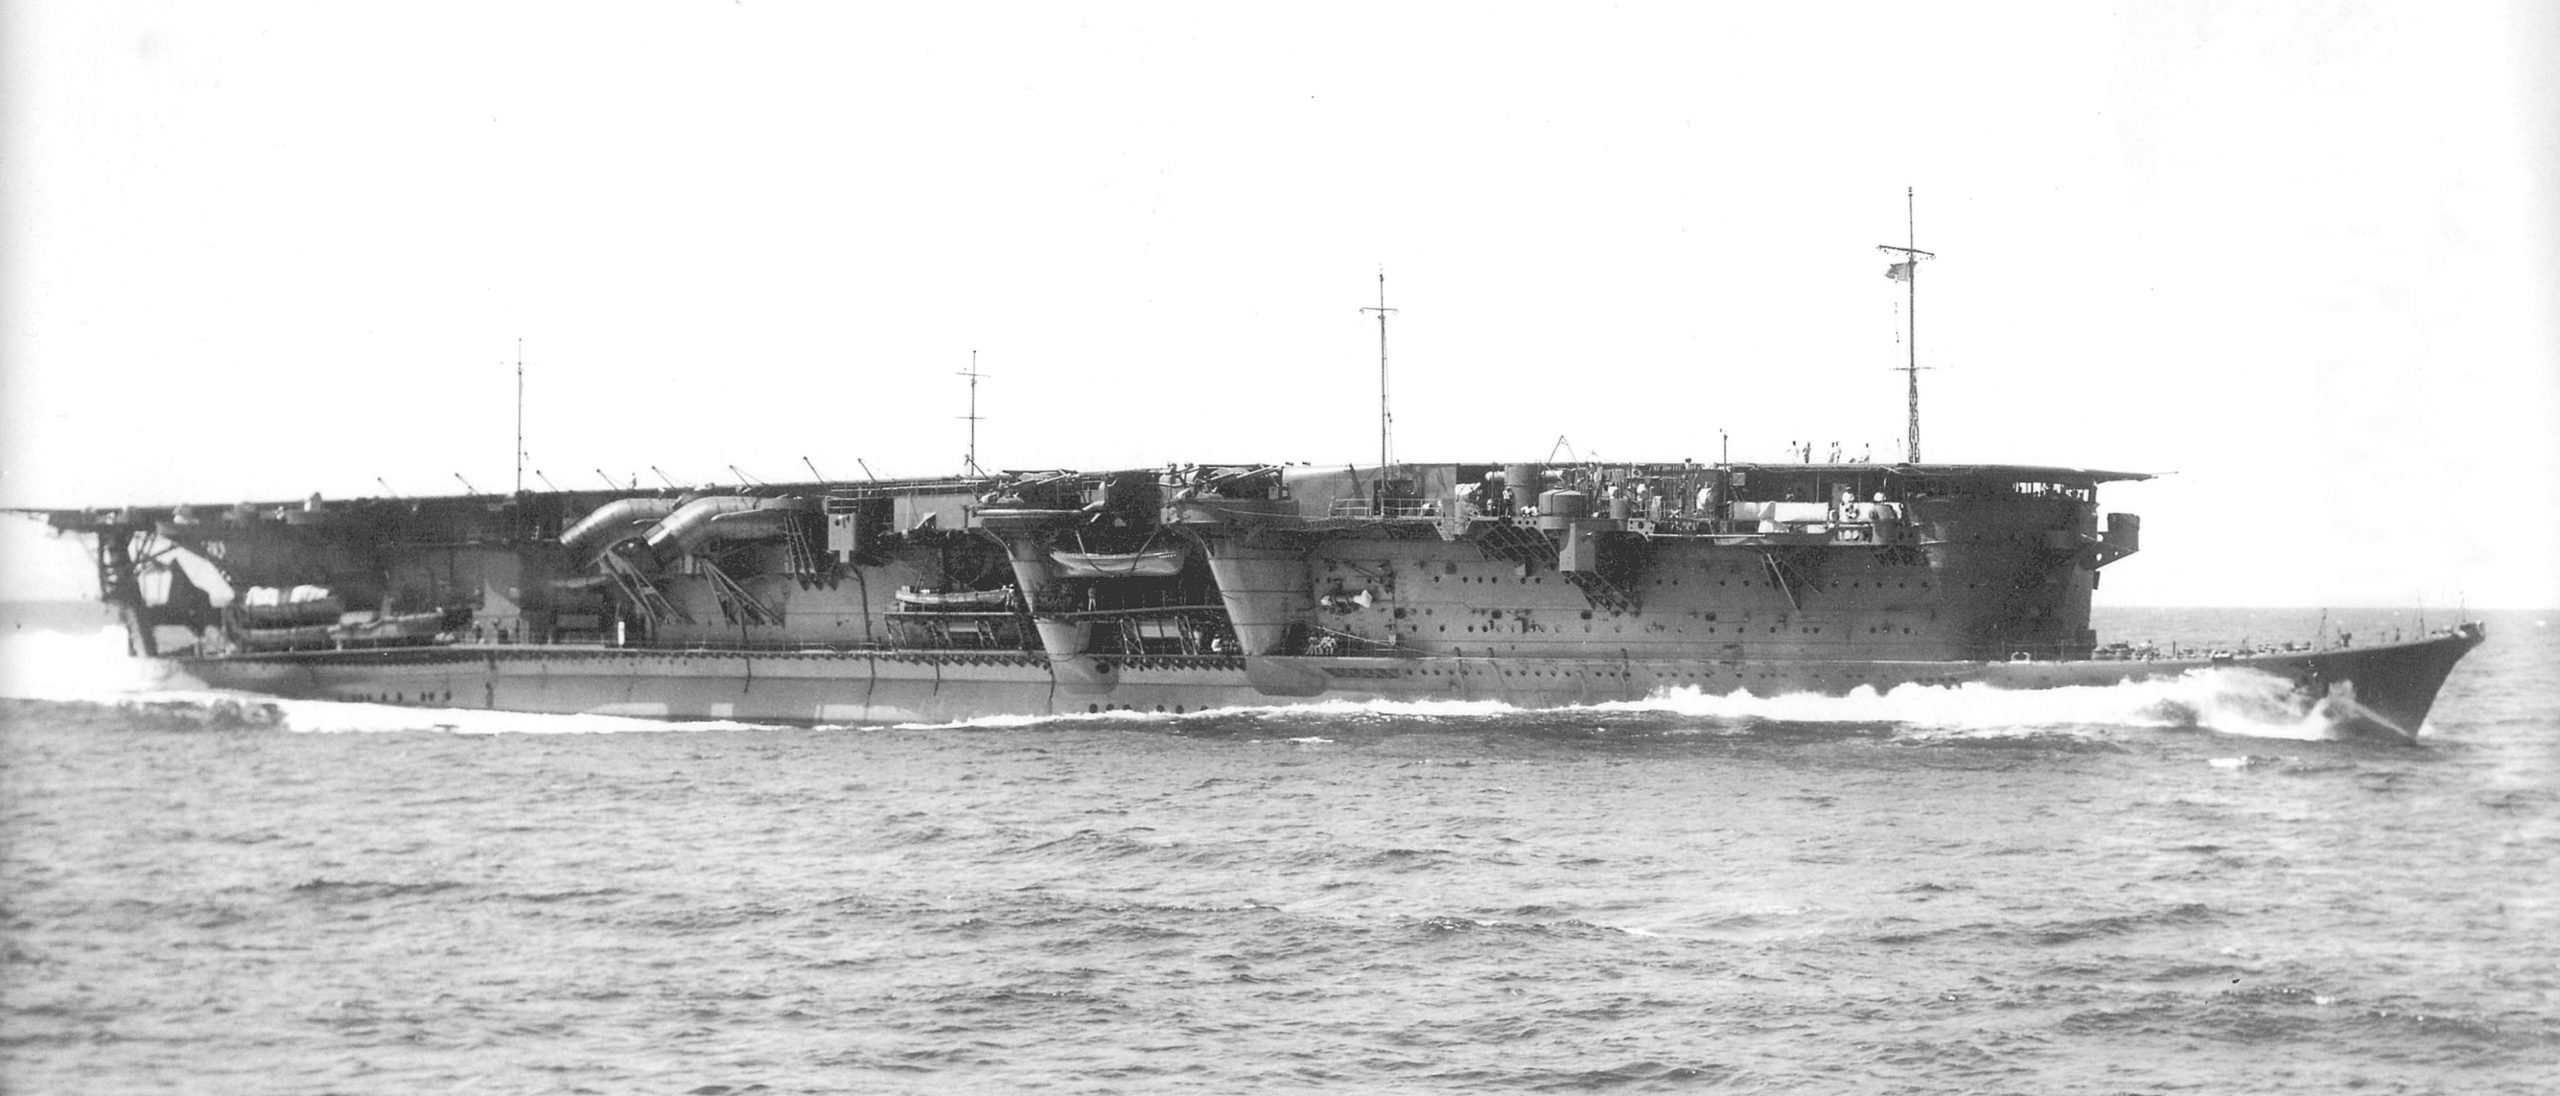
(735, 602)
(643, 594)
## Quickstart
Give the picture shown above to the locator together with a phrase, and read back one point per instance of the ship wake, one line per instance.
(2224, 701)
(90, 665)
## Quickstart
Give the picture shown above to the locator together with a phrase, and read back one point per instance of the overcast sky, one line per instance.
(2302, 256)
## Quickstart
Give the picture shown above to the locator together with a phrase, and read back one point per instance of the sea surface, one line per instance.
(2146, 889)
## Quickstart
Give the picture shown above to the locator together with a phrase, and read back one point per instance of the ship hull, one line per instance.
(2385, 688)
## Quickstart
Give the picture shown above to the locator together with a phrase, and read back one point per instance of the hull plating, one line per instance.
(2388, 687)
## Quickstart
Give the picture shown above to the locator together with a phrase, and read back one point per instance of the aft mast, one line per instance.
(970, 461)
(519, 415)
(1908, 273)
(1386, 420)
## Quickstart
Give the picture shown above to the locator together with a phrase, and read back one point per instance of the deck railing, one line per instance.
(1384, 508)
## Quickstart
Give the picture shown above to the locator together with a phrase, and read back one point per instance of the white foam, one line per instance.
(1382, 709)
(1004, 722)
(2230, 701)
(83, 665)
(1336, 710)
(334, 717)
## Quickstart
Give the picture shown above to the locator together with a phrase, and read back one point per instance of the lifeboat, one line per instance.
(268, 607)
(358, 630)
(948, 601)
(1022, 520)
(294, 638)
(1150, 563)
(394, 629)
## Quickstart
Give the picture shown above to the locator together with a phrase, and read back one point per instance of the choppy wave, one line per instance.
(1915, 889)
(93, 667)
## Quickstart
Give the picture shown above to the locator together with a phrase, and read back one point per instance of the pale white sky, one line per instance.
(2304, 256)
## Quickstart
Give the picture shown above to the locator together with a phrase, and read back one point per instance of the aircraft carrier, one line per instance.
(1178, 588)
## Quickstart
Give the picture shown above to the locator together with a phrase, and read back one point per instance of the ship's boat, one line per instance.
(269, 607)
(285, 638)
(393, 629)
(1011, 520)
(355, 630)
(1164, 562)
(955, 600)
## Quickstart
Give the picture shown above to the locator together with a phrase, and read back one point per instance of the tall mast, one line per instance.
(1386, 420)
(1908, 272)
(1911, 321)
(519, 414)
(973, 375)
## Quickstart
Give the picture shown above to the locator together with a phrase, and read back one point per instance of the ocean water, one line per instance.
(2175, 888)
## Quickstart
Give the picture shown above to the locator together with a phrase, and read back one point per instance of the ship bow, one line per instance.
(2392, 688)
